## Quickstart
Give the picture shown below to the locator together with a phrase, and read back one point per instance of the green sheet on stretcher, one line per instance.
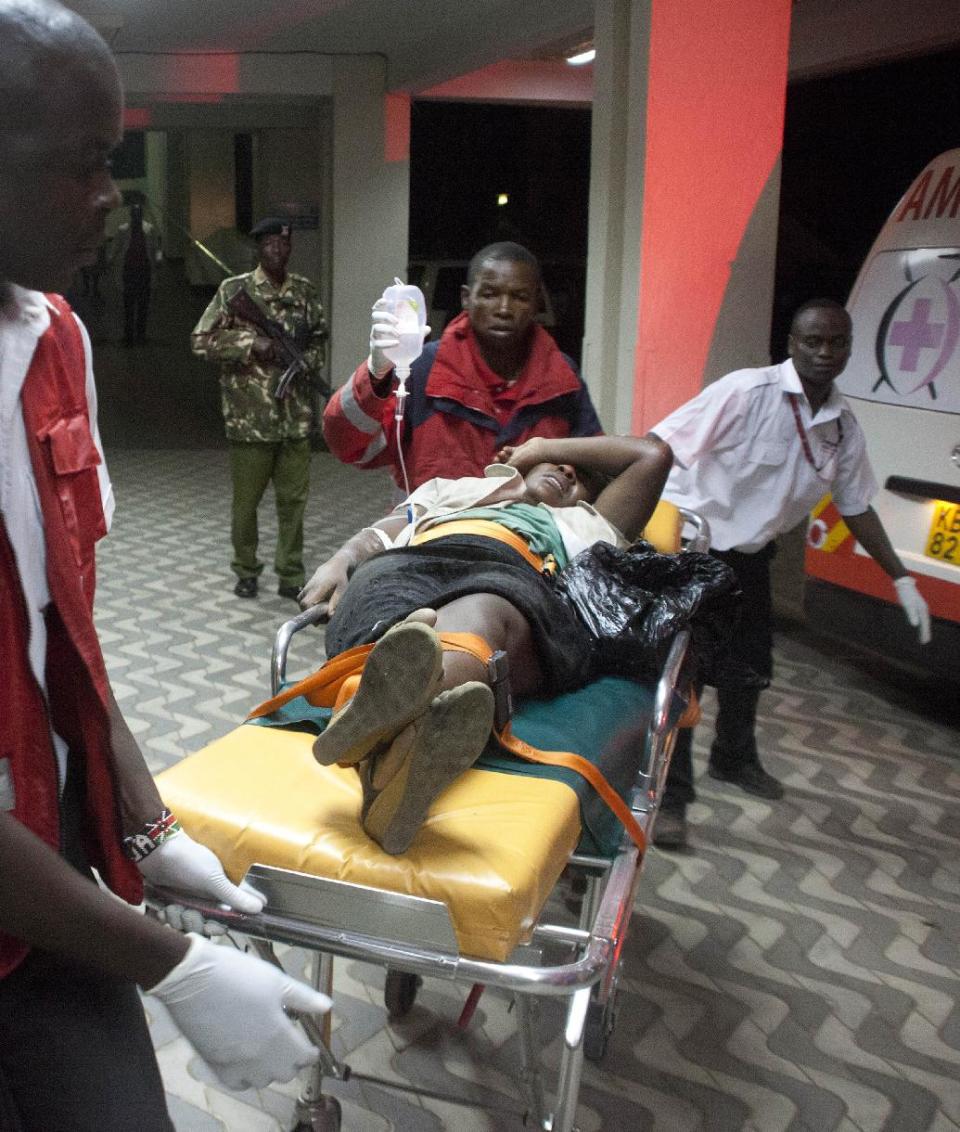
(606, 722)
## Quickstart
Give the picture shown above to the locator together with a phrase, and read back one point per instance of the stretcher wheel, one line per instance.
(324, 1116)
(400, 992)
(601, 1018)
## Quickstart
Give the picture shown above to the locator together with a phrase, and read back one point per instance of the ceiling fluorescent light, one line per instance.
(582, 57)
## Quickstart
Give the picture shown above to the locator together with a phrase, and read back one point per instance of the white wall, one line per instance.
(371, 203)
(178, 195)
(224, 75)
(210, 156)
(288, 169)
(621, 35)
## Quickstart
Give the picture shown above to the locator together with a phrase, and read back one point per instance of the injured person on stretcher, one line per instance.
(460, 573)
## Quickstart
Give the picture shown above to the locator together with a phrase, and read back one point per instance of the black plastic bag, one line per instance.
(635, 601)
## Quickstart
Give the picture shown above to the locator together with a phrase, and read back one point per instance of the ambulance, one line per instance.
(903, 384)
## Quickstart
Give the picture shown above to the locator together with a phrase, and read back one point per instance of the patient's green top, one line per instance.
(529, 520)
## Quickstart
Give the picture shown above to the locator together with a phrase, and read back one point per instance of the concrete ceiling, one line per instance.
(429, 42)
(423, 41)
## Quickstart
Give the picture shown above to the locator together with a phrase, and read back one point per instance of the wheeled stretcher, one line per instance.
(465, 902)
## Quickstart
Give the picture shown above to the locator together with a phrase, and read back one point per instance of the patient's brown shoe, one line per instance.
(448, 740)
(399, 680)
(384, 762)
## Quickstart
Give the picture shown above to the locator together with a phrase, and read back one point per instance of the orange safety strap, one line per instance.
(320, 688)
(466, 642)
(478, 647)
(691, 713)
(585, 769)
(335, 681)
(486, 528)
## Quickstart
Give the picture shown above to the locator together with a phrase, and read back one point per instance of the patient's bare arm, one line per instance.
(630, 500)
(639, 466)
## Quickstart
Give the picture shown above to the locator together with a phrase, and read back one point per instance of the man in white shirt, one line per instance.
(753, 453)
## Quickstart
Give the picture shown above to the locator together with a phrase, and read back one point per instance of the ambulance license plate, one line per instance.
(943, 542)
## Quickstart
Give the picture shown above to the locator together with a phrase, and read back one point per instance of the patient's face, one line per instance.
(557, 485)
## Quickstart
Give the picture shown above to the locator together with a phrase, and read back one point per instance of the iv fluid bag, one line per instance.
(410, 307)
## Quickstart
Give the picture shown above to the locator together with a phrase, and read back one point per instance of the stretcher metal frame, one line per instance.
(413, 936)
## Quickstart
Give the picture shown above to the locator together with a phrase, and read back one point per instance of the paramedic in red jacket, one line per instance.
(75, 793)
(494, 378)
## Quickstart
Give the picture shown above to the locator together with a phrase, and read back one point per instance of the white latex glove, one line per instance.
(186, 865)
(231, 1008)
(383, 335)
(916, 609)
(187, 920)
(326, 585)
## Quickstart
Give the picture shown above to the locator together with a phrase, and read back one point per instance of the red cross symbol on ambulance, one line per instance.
(918, 335)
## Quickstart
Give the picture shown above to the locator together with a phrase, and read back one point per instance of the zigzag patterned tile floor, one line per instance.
(796, 969)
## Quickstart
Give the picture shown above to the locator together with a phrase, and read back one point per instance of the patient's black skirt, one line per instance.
(385, 589)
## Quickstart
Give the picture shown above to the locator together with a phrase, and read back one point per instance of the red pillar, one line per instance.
(714, 129)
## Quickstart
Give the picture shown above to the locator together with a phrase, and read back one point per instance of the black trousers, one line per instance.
(136, 307)
(735, 741)
(75, 1051)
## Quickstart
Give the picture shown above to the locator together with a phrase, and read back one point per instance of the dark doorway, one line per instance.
(243, 180)
(852, 145)
(465, 158)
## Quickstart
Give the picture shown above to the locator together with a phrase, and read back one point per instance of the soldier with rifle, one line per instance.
(267, 331)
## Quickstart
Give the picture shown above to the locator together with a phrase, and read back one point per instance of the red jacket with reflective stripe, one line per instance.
(455, 421)
(64, 459)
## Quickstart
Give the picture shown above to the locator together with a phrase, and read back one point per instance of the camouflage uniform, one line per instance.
(250, 410)
(269, 439)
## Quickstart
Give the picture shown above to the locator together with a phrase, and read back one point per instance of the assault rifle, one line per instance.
(290, 349)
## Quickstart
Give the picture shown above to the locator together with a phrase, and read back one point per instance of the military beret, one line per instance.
(272, 226)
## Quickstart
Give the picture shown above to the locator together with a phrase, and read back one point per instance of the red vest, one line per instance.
(65, 460)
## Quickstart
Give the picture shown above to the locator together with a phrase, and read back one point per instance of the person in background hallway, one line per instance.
(269, 435)
(495, 378)
(753, 453)
(75, 792)
(136, 248)
(90, 276)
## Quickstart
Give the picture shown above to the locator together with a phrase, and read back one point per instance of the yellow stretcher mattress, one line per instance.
(492, 848)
